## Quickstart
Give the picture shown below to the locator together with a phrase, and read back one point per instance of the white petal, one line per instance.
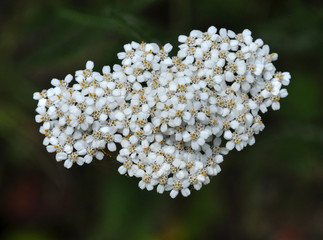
(160, 188)
(173, 193)
(61, 156)
(122, 170)
(68, 164)
(185, 192)
(229, 77)
(230, 145)
(112, 147)
(89, 65)
(228, 135)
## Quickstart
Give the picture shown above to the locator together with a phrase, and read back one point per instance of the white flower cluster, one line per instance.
(169, 115)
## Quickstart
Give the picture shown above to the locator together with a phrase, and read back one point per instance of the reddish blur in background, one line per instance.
(272, 190)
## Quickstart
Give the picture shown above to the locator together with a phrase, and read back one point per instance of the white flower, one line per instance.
(168, 115)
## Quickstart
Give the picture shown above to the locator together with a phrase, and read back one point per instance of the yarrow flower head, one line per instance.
(172, 119)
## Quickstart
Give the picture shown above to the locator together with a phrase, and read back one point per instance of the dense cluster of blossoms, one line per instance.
(173, 118)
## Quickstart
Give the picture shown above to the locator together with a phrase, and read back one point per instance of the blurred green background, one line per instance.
(272, 190)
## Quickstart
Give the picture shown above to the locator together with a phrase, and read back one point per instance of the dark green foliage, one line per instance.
(272, 190)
